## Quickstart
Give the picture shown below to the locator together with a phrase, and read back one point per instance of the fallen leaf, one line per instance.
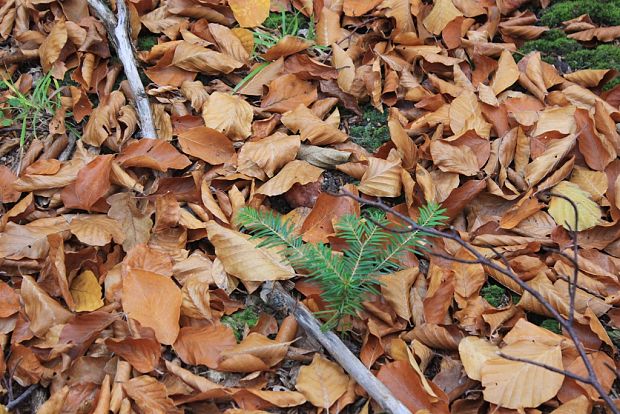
(295, 172)
(86, 292)
(563, 212)
(42, 311)
(142, 353)
(228, 114)
(154, 301)
(152, 153)
(92, 183)
(150, 395)
(204, 345)
(255, 353)
(207, 144)
(322, 382)
(97, 230)
(517, 385)
(287, 92)
(241, 257)
(474, 353)
(382, 178)
(249, 13)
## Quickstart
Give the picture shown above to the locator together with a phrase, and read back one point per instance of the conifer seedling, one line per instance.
(348, 277)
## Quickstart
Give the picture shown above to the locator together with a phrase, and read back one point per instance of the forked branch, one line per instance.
(565, 323)
(118, 32)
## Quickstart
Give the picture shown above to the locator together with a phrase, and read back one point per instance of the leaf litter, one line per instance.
(121, 259)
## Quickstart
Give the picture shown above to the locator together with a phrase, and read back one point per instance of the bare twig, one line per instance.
(24, 395)
(279, 298)
(567, 324)
(547, 367)
(118, 32)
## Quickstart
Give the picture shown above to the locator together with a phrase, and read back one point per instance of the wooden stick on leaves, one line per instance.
(118, 32)
(279, 298)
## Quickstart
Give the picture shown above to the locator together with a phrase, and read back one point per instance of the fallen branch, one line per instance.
(565, 323)
(279, 298)
(118, 32)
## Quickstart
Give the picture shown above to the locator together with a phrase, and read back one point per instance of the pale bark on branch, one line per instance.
(118, 32)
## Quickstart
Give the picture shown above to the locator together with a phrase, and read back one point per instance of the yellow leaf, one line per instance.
(513, 384)
(562, 211)
(86, 292)
(443, 13)
(322, 382)
(250, 13)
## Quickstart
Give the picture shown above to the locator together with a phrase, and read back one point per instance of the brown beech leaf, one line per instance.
(195, 58)
(287, 92)
(9, 301)
(136, 224)
(396, 288)
(474, 353)
(517, 385)
(507, 73)
(295, 172)
(241, 257)
(228, 114)
(249, 13)
(154, 301)
(142, 353)
(50, 49)
(204, 345)
(104, 119)
(454, 158)
(152, 153)
(327, 210)
(382, 178)
(602, 34)
(346, 68)
(150, 395)
(443, 12)
(311, 127)
(8, 194)
(286, 46)
(406, 385)
(42, 311)
(304, 67)
(92, 183)
(268, 154)
(322, 382)
(97, 230)
(255, 353)
(545, 163)
(207, 144)
(30, 240)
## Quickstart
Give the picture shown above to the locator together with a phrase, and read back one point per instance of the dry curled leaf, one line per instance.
(322, 382)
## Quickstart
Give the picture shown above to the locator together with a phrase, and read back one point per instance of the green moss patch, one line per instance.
(371, 131)
(555, 47)
(605, 12)
(239, 320)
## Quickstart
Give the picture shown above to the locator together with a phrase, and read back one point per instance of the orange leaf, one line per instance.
(204, 345)
(93, 182)
(249, 13)
(154, 301)
(207, 144)
(152, 153)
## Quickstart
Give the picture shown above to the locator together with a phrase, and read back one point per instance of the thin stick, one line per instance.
(13, 404)
(279, 298)
(118, 32)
